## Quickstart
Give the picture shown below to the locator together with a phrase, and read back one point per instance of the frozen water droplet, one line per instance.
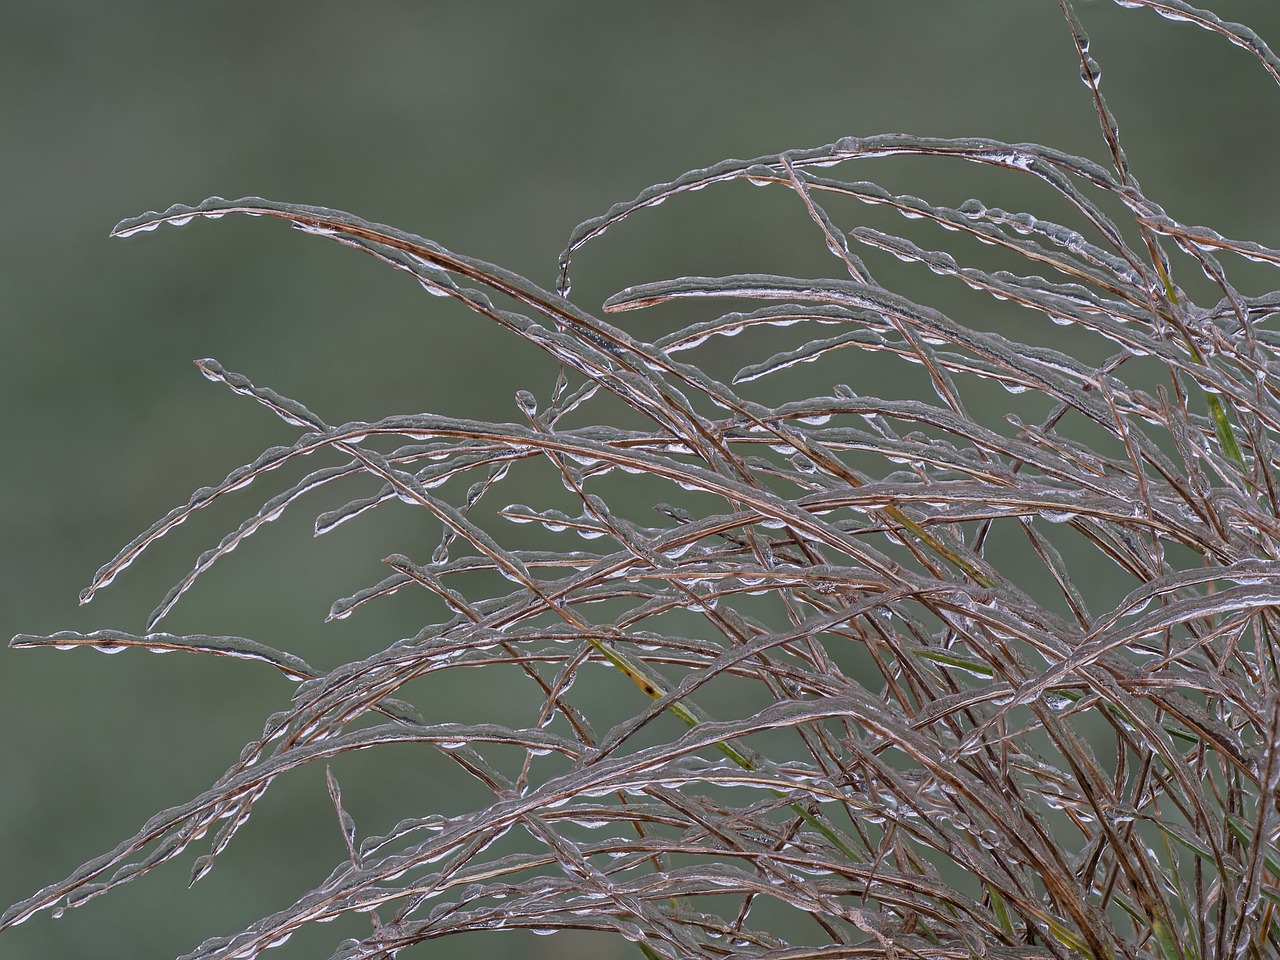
(141, 228)
(108, 647)
(1057, 516)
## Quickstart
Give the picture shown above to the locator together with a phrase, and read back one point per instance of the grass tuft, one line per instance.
(940, 729)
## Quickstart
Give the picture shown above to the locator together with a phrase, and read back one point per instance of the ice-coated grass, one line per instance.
(937, 758)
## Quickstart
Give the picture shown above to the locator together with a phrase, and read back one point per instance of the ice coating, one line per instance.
(804, 497)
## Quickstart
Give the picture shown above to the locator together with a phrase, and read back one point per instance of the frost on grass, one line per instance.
(920, 769)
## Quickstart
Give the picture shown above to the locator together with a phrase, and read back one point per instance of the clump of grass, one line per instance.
(936, 756)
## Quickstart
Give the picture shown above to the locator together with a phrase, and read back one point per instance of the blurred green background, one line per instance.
(492, 128)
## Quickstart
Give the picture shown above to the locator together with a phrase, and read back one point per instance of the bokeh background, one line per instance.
(494, 128)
